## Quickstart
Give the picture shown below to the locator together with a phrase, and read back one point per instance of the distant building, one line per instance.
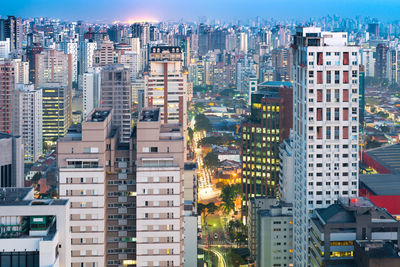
(116, 94)
(11, 161)
(33, 232)
(91, 87)
(335, 229)
(381, 61)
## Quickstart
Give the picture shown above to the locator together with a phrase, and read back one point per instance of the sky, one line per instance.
(190, 10)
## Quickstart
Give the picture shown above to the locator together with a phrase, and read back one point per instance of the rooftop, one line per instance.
(98, 115)
(381, 184)
(378, 249)
(387, 156)
(150, 114)
(24, 197)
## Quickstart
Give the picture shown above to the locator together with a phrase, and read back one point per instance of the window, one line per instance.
(345, 95)
(336, 114)
(319, 114)
(328, 77)
(328, 132)
(320, 59)
(345, 76)
(337, 77)
(345, 132)
(319, 95)
(354, 74)
(328, 95)
(345, 58)
(336, 132)
(154, 149)
(319, 77)
(345, 114)
(337, 97)
(319, 132)
(311, 74)
(328, 114)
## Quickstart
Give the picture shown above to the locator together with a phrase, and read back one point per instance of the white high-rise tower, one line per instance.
(325, 126)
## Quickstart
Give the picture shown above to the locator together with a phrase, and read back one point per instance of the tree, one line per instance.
(190, 133)
(211, 161)
(228, 196)
(206, 209)
(237, 232)
(202, 123)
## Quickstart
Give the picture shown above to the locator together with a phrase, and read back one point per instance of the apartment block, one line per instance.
(95, 173)
(31, 120)
(160, 193)
(166, 84)
(325, 128)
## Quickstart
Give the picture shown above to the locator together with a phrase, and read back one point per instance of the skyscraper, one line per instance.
(325, 116)
(116, 94)
(86, 54)
(269, 124)
(11, 28)
(159, 181)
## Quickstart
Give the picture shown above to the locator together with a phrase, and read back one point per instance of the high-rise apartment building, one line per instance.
(96, 175)
(31, 114)
(86, 55)
(31, 52)
(56, 111)
(71, 48)
(91, 82)
(105, 55)
(269, 124)
(52, 66)
(116, 94)
(325, 126)
(160, 194)
(11, 161)
(166, 84)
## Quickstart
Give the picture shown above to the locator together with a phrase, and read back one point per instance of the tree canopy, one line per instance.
(211, 161)
(202, 123)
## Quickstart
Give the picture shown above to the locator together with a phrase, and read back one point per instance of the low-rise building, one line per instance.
(376, 253)
(335, 229)
(33, 232)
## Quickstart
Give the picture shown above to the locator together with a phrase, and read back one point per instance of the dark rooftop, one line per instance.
(378, 249)
(387, 156)
(20, 197)
(381, 184)
(149, 114)
(13, 193)
(99, 115)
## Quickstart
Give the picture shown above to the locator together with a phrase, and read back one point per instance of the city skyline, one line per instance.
(156, 10)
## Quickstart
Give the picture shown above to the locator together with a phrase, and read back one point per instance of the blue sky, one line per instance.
(124, 10)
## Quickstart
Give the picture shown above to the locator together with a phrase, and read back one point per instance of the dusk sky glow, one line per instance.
(129, 10)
